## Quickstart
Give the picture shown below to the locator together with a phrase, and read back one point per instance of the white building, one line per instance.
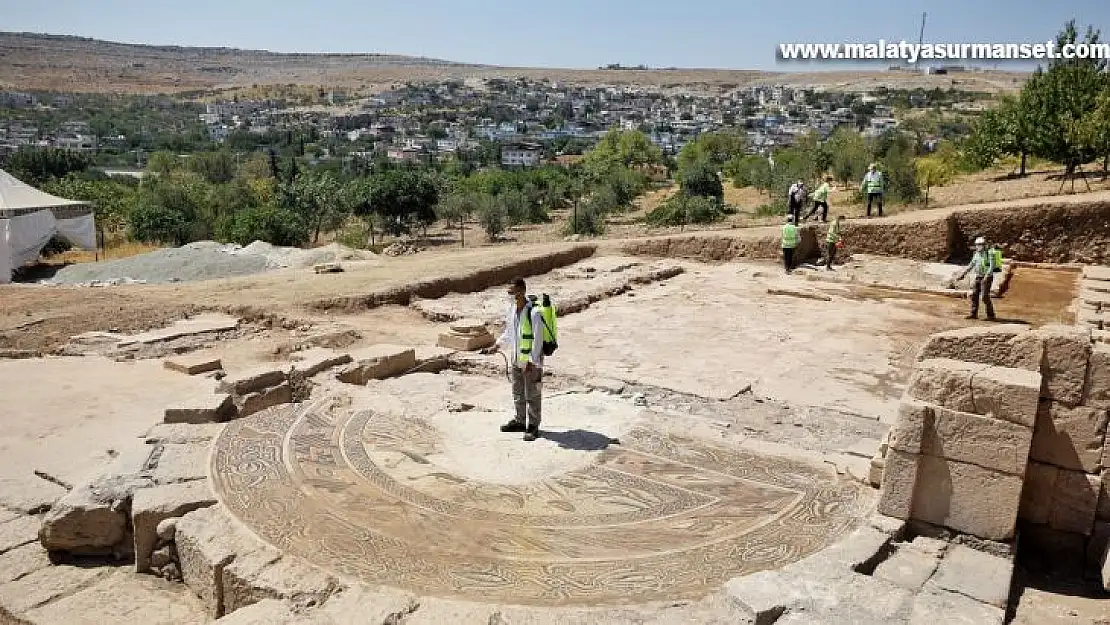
(521, 155)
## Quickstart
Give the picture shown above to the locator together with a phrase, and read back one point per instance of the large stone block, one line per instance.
(1097, 389)
(967, 498)
(207, 541)
(1096, 549)
(993, 345)
(193, 364)
(465, 342)
(266, 398)
(977, 574)
(1007, 394)
(1071, 438)
(908, 568)
(915, 418)
(900, 479)
(378, 362)
(976, 439)
(1075, 499)
(251, 381)
(1037, 494)
(203, 408)
(1067, 350)
(944, 382)
(940, 607)
(173, 464)
(313, 361)
(151, 506)
(765, 595)
(266, 574)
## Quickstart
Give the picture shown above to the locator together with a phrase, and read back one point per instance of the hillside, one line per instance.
(63, 63)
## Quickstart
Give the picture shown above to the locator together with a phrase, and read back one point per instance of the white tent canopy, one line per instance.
(29, 218)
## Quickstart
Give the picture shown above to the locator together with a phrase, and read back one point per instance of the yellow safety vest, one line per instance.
(527, 336)
(789, 236)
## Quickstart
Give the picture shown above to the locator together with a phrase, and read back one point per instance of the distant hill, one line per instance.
(64, 63)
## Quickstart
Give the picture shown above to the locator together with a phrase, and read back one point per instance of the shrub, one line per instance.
(275, 225)
(681, 209)
(589, 220)
(492, 217)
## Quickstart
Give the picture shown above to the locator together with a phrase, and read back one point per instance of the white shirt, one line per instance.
(511, 334)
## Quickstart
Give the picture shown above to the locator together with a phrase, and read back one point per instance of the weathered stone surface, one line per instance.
(22, 561)
(203, 408)
(929, 546)
(469, 326)
(1102, 511)
(907, 568)
(122, 597)
(207, 541)
(1075, 499)
(201, 324)
(18, 532)
(900, 477)
(266, 398)
(465, 342)
(251, 381)
(1096, 550)
(765, 595)
(193, 364)
(888, 525)
(266, 574)
(992, 345)
(378, 362)
(936, 607)
(314, 361)
(1007, 394)
(967, 498)
(855, 598)
(860, 548)
(181, 463)
(29, 494)
(327, 268)
(151, 506)
(1097, 390)
(977, 574)
(1071, 438)
(179, 433)
(1090, 318)
(1066, 352)
(1037, 494)
(92, 519)
(265, 612)
(45, 585)
(915, 418)
(167, 529)
(432, 359)
(944, 382)
(607, 385)
(982, 440)
(875, 472)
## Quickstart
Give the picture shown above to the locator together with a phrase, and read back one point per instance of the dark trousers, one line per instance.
(795, 209)
(824, 206)
(527, 396)
(982, 288)
(788, 258)
(875, 197)
(830, 254)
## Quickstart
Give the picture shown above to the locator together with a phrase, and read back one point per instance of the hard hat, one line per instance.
(980, 241)
(789, 218)
(871, 166)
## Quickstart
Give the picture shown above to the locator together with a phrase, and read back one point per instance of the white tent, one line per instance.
(29, 218)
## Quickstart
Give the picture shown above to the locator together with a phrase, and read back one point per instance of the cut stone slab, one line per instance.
(377, 363)
(944, 382)
(18, 532)
(469, 326)
(765, 595)
(122, 597)
(802, 293)
(251, 381)
(1097, 391)
(1067, 350)
(993, 345)
(981, 440)
(1008, 394)
(266, 574)
(23, 561)
(90, 519)
(193, 364)
(207, 541)
(936, 606)
(265, 612)
(907, 568)
(46, 585)
(977, 574)
(151, 506)
(900, 477)
(180, 433)
(317, 360)
(864, 448)
(1090, 318)
(202, 408)
(181, 463)
(29, 494)
(465, 342)
(432, 359)
(1038, 492)
(915, 418)
(267, 398)
(1070, 438)
(966, 498)
(1074, 502)
(201, 324)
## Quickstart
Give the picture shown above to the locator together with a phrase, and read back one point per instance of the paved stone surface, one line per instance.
(357, 494)
(29, 494)
(19, 531)
(765, 595)
(200, 324)
(45, 585)
(180, 463)
(978, 575)
(22, 561)
(908, 568)
(123, 598)
(180, 433)
(936, 607)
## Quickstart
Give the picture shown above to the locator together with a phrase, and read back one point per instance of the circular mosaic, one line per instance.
(656, 517)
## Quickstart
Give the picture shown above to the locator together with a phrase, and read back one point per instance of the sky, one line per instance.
(733, 34)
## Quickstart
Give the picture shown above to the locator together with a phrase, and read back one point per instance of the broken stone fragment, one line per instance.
(266, 398)
(313, 361)
(252, 381)
(151, 506)
(465, 342)
(377, 363)
(192, 364)
(469, 326)
(203, 408)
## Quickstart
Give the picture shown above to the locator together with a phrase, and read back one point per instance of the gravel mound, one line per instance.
(203, 260)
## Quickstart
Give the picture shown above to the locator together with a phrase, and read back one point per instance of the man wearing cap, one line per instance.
(789, 242)
(523, 329)
(872, 185)
(982, 263)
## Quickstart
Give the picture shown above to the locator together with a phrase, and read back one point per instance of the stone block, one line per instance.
(900, 478)
(203, 408)
(992, 345)
(967, 498)
(266, 398)
(193, 364)
(44, 586)
(888, 525)
(935, 606)
(944, 382)
(29, 494)
(327, 268)
(18, 532)
(855, 598)
(977, 574)
(92, 518)
(174, 464)
(469, 326)
(1074, 501)
(313, 361)
(151, 506)
(914, 419)
(378, 362)
(907, 568)
(1037, 494)
(465, 342)
(207, 540)
(1097, 389)
(928, 546)
(765, 595)
(22, 561)
(1066, 352)
(266, 574)
(981, 440)
(265, 612)
(1070, 438)
(1007, 394)
(252, 381)
(875, 472)
(1096, 550)
(179, 433)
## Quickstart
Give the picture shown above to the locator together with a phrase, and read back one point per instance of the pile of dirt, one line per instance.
(403, 247)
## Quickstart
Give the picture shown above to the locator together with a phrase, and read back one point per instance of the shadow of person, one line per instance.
(579, 440)
(1000, 320)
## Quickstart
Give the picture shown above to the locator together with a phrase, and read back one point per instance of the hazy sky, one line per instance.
(562, 33)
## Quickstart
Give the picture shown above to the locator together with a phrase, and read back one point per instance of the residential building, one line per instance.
(521, 155)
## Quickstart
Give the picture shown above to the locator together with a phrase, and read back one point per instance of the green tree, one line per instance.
(112, 200)
(933, 171)
(403, 197)
(850, 155)
(752, 171)
(898, 170)
(681, 209)
(699, 178)
(621, 149)
(273, 224)
(319, 200)
(215, 167)
(492, 215)
(716, 148)
(457, 208)
(38, 166)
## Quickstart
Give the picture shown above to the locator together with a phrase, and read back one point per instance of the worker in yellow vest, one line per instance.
(982, 263)
(524, 323)
(833, 240)
(789, 243)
